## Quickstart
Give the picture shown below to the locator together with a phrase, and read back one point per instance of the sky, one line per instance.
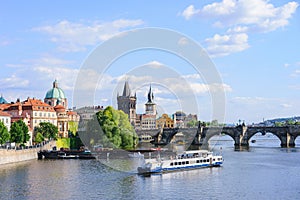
(253, 46)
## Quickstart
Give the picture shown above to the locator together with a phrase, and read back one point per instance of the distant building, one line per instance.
(86, 113)
(56, 96)
(6, 119)
(2, 100)
(188, 118)
(127, 103)
(178, 118)
(148, 120)
(34, 111)
(165, 122)
(181, 119)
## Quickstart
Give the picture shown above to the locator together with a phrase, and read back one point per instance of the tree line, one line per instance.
(19, 133)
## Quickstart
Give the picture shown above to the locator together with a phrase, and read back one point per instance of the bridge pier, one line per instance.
(287, 140)
(290, 140)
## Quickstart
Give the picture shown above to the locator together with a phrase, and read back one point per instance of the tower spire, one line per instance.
(126, 90)
(150, 95)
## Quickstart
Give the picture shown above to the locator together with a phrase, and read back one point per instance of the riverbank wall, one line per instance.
(8, 156)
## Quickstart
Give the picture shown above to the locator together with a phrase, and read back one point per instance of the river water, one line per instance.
(265, 171)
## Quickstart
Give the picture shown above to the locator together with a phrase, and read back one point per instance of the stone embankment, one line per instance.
(12, 155)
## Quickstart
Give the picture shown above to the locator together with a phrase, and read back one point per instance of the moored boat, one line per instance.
(136, 155)
(183, 161)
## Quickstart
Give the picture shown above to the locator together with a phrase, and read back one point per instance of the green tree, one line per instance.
(19, 132)
(39, 138)
(117, 128)
(290, 122)
(47, 130)
(4, 135)
(279, 124)
(73, 127)
(192, 123)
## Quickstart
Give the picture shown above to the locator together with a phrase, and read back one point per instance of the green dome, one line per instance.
(2, 100)
(55, 92)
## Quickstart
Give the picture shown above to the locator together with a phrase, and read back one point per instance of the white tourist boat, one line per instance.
(183, 161)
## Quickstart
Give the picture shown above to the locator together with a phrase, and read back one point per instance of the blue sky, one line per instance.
(254, 46)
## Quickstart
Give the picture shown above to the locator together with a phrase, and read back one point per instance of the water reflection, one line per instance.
(262, 172)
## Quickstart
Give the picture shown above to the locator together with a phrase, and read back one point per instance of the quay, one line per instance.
(19, 155)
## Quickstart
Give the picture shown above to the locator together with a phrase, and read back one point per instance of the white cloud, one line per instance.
(154, 64)
(296, 73)
(258, 15)
(286, 105)
(238, 29)
(250, 100)
(189, 12)
(73, 37)
(252, 109)
(65, 76)
(240, 17)
(13, 82)
(222, 45)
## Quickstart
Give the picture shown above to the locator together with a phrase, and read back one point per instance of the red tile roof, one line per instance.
(4, 114)
(37, 105)
(4, 106)
(71, 112)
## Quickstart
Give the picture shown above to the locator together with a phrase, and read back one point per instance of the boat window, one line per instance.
(171, 164)
(179, 163)
(207, 160)
(175, 163)
(183, 162)
(200, 161)
(214, 159)
(197, 161)
(187, 162)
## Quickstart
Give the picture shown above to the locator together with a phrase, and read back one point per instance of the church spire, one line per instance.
(55, 84)
(126, 90)
(150, 95)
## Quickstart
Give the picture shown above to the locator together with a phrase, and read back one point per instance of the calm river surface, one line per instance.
(265, 171)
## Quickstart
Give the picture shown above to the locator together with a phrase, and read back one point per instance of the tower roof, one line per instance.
(2, 100)
(126, 90)
(150, 96)
(55, 92)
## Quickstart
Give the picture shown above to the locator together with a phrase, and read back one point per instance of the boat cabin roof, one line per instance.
(196, 152)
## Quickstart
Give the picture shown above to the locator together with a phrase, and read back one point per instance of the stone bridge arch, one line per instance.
(209, 132)
(282, 133)
(263, 131)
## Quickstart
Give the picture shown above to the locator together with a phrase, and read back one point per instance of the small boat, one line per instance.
(183, 161)
(146, 138)
(136, 155)
(63, 155)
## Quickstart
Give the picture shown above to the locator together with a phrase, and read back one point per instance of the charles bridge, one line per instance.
(240, 134)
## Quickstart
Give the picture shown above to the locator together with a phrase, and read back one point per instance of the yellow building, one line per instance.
(165, 122)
